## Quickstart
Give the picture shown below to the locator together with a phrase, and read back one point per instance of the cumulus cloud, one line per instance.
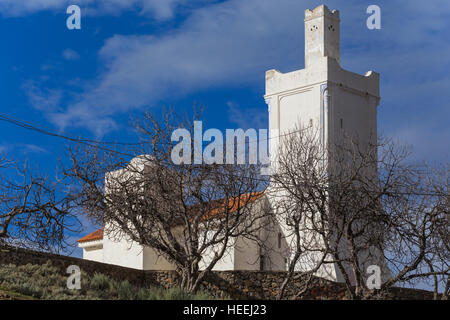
(228, 44)
(159, 9)
(231, 44)
(18, 8)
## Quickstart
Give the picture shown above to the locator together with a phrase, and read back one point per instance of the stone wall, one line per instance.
(20, 256)
(230, 284)
(266, 285)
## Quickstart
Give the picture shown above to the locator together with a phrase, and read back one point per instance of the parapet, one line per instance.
(320, 11)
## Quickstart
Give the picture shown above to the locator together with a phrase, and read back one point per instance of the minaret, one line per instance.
(321, 35)
(322, 94)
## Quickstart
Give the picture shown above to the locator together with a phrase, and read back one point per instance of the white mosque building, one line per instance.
(323, 94)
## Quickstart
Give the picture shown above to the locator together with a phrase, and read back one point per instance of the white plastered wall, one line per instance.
(92, 250)
(321, 94)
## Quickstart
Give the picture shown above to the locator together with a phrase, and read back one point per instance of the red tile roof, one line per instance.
(233, 205)
(96, 235)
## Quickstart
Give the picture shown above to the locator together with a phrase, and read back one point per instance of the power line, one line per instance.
(39, 128)
(95, 143)
(88, 142)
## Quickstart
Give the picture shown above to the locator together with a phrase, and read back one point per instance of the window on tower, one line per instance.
(279, 240)
(261, 263)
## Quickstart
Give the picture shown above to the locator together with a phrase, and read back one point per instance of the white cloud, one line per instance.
(18, 8)
(245, 118)
(31, 148)
(228, 44)
(70, 55)
(159, 9)
(232, 44)
(45, 100)
(24, 148)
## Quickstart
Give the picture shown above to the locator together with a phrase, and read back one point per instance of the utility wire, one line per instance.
(30, 126)
(39, 128)
(95, 143)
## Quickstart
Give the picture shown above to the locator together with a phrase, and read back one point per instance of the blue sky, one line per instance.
(133, 55)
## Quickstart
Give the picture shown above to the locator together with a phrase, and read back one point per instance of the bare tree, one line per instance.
(358, 203)
(300, 210)
(190, 213)
(34, 211)
(417, 241)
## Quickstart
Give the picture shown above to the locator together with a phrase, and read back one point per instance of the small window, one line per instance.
(310, 122)
(279, 240)
(261, 262)
(342, 123)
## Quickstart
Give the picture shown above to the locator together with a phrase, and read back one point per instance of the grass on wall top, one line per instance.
(45, 282)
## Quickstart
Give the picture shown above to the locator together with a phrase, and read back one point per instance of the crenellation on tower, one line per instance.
(321, 10)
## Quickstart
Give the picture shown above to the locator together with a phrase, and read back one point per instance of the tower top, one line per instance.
(320, 11)
(321, 34)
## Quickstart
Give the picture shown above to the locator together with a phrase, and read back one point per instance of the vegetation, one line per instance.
(358, 204)
(35, 211)
(190, 213)
(46, 282)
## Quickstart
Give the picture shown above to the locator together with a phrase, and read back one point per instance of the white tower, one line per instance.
(321, 35)
(322, 94)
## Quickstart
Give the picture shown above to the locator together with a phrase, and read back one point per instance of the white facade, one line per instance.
(242, 254)
(124, 253)
(92, 250)
(322, 94)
